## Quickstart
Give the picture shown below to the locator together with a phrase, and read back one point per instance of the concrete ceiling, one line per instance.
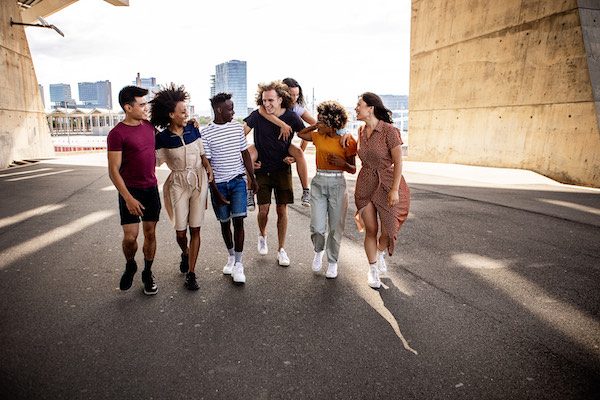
(32, 9)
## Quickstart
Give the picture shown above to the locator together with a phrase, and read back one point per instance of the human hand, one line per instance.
(193, 121)
(393, 198)
(289, 160)
(336, 160)
(285, 132)
(345, 139)
(134, 207)
(257, 165)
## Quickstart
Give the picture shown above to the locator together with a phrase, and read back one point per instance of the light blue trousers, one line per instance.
(329, 203)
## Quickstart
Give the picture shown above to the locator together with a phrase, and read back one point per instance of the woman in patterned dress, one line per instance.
(381, 195)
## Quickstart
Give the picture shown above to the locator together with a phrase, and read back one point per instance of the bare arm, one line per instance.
(250, 169)
(207, 167)
(114, 164)
(393, 196)
(284, 129)
(309, 119)
(306, 133)
(247, 129)
(349, 164)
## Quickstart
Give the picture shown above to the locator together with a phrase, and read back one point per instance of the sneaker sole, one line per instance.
(375, 286)
(150, 293)
(330, 277)
(240, 282)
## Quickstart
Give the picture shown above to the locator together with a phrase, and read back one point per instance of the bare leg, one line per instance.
(194, 247)
(369, 216)
(130, 246)
(301, 166)
(282, 220)
(182, 241)
(149, 239)
(238, 233)
(263, 218)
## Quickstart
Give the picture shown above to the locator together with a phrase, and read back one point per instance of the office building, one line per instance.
(147, 83)
(60, 93)
(231, 77)
(96, 94)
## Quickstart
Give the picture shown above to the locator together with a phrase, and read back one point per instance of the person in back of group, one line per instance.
(274, 173)
(328, 194)
(226, 148)
(296, 154)
(382, 196)
(131, 168)
(185, 189)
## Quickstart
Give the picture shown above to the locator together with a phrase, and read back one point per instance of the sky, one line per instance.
(339, 49)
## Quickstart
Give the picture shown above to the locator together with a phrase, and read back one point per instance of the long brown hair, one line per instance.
(380, 111)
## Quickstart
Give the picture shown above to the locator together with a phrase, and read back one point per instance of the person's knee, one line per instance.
(195, 231)
(281, 210)
(263, 212)
(238, 223)
(296, 152)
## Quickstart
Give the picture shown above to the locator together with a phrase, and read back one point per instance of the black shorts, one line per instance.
(278, 181)
(150, 199)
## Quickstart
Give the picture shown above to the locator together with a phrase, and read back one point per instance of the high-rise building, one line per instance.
(212, 86)
(60, 92)
(96, 94)
(147, 83)
(230, 77)
(41, 88)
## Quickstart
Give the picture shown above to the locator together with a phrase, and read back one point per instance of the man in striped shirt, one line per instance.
(226, 148)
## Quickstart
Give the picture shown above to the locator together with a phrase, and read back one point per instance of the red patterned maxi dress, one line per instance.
(376, 178)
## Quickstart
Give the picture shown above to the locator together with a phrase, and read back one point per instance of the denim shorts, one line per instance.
(235, 191)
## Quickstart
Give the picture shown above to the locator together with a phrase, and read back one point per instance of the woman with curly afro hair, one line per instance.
(186, 188)
(328, 194)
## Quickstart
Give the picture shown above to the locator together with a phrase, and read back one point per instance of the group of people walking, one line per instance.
(219, 161)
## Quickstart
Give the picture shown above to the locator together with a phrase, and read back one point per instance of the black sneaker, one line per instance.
(150, 287)
(190, 281)
(250, 201)
(127, 277)
(184, 264)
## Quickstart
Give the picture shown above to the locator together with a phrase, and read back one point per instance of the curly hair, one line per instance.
(164, 103)
(332, 114)
(291, 83)
(380, 111)
(281, 89)
(219, 98)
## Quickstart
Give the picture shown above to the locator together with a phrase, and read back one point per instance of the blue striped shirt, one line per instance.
(223, 145)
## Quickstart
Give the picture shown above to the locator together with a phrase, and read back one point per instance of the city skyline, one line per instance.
(364, 48)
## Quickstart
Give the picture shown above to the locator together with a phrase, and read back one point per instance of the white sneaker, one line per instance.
(317, 261)
(282, 258)
(228, 268)
(381, 264)
(373, 277)
(238, 273)
(331, 271)
(262, 245)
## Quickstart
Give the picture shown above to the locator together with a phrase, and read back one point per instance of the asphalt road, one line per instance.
(493, 293)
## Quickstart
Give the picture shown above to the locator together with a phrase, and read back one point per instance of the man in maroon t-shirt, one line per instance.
(131, 164)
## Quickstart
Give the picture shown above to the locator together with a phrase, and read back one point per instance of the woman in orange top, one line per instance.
(381, 194)
(328, 194)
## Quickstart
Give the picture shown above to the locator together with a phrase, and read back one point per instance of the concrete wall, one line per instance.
(507, 84)
(24, 132)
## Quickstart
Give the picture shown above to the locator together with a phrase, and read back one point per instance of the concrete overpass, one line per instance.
(508, 84)
(24, 132)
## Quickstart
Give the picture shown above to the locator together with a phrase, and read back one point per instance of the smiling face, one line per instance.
(295, 93)
(138, 110)
(363, 110)
(271, 101)
(179, 116)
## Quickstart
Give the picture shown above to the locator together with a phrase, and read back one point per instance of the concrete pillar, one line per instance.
(24, 132)
(509, 84)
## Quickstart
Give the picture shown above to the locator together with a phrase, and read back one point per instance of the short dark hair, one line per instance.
(291, 82)
(219, 98)
(332, 114)
(128, 94)
(164, 103)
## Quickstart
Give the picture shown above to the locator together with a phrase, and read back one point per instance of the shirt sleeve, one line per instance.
(392, 137)
(201, 147)
(161, 157)
(250, 120)
(243, 141)
(114, 142)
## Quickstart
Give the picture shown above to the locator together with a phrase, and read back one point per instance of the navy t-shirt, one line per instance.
(271, 150)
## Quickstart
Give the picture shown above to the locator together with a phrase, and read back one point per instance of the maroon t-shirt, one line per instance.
(138, 157)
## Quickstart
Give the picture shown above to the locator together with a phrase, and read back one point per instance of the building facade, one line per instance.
(96, 94)
(231, 77)
(60, 92)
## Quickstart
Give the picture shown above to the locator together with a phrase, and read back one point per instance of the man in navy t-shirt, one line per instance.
(273, 172)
